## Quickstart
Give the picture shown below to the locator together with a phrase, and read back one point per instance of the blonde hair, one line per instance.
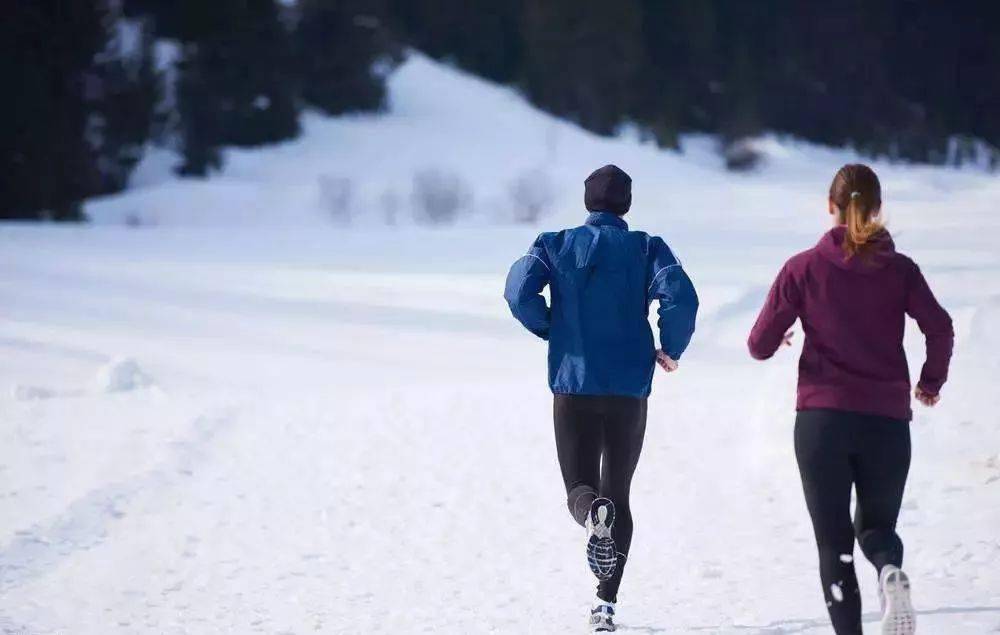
(857, 194)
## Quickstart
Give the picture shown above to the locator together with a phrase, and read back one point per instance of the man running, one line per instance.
(602, 279)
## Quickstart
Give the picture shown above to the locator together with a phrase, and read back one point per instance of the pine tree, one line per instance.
(481, 36)
(253, 63)
(199, 113)
(582, 59)
(128, 93)
(344, 52)
(237, 83)
(47, 165)
(677, 57)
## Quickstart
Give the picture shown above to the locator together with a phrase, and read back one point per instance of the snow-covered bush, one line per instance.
(531, 195)
(439, 196)
(121, 375)
(335, 193)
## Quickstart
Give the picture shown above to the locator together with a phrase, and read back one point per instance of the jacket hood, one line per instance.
(608, 189)
(831, 247)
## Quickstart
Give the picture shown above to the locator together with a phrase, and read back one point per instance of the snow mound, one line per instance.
(122, 375)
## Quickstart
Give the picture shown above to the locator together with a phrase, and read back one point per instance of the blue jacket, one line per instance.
(602, 278)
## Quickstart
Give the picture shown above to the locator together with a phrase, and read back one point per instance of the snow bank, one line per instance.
(121, 375)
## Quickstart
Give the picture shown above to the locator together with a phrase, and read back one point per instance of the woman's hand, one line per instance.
(925, 397)
(666, 362)
(787, 339)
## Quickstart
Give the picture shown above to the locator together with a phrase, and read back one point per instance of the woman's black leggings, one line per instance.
(835, 450)
(599, 439)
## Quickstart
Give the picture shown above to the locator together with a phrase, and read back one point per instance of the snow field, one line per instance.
(246, 418)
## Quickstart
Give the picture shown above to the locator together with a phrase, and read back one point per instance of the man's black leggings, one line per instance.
(598, 439)
(835, 450)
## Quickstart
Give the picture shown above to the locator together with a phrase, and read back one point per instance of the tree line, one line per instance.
(95, 82)
(903, 79)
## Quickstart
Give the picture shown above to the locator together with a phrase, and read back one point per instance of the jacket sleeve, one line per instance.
(678, 310)
(778, 314)
(935, 324)
(527, 277)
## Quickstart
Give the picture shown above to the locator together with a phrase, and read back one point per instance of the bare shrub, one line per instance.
(531, 194)
(336, 194)
(439, 196)
(136, 219)
(389, 200)
(742, 156)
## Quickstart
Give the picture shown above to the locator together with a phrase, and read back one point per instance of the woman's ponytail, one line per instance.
(857, 193)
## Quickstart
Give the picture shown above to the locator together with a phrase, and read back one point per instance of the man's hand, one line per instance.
(787, 339)
(925, 397)
(665, 361)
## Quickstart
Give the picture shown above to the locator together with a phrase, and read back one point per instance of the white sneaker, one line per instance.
(602, 556)
(602, 617)
(898, 616)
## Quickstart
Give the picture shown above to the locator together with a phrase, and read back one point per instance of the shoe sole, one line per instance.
(602, 555)
(600, 624)
(899, 617)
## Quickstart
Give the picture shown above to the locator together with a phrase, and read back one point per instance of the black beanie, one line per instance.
(608, 189)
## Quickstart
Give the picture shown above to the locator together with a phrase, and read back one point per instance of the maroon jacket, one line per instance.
(853, 312)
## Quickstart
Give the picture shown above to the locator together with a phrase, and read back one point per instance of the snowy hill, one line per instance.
(259, 413)
(443, 120)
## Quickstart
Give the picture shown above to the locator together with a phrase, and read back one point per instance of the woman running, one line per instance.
(602, 278)
(852, 292)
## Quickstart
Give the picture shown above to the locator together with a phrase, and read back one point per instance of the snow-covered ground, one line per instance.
(249, 418)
